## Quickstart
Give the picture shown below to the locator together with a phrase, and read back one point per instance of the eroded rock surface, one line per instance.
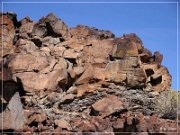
(79, 79)
(7, 32)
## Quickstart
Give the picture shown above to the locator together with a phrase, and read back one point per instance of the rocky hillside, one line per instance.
(82, 79)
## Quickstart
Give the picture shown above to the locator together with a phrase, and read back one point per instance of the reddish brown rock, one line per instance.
(76, 71)
(61, 64)
(56, 26)
(79, 80)
(159, 125)
(27, 63)
(50, 25)
(85, 31)
(71, 54)
(92, 55)
(158, 57)
(158, 78)
(58, 50)
(119, 124)
(102, 125)
(26, 27)
(26, 46)
(36, 81)
(146, 56)
(7, 32)
(87, 127)
(63, 124)
(128, 45)
(86, 88)
(36, 116)
(142, 125)
(107, 106)
(86, 76)
(136, 79)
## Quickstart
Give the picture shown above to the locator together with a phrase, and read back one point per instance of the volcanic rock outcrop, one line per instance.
(78, 79)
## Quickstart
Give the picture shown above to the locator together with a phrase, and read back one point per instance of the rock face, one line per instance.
(11, 109)
(78, 79)
(13, 115)
(7, 33)
(50, 25)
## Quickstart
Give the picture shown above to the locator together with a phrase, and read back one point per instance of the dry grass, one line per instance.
(168, 104)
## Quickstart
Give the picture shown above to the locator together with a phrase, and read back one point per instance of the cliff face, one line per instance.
(78, 79)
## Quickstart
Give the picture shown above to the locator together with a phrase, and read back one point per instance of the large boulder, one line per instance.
(127, 70)
(51, 25)
(97, 53)
(28, 63)
(107, 106)
(158, 77)
(11, 108)
(12, 118)
(36, 81)
(26, 27)
(24, 46)
(85, 31)
(128, 45)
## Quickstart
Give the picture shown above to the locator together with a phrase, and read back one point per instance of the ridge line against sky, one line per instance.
(155, 24)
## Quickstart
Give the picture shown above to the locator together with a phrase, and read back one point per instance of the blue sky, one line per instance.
(154, 23)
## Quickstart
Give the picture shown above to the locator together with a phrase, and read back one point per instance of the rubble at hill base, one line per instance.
(68, 80)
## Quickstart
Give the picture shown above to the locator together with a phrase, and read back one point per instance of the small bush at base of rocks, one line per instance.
(167, 104)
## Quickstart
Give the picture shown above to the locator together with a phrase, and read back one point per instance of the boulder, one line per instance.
(26, 46)
(107, 106)
(85, 31)
(75, 71)
(58, 50)
(123, 71)
(97, 53)
(12, 118)
(146, 56)
(128, 45)
(86, 76)
(86, 88)
(158, 77)
(48, 40)
(39, 29)
(26, 27)
(118, 124)
(56, 26)
(28, 63)
(61, 64)
(158, 57)
(102, 125)
(36, 81)
(51, 25)
(136, 79)
(70, 54)
(62, 123)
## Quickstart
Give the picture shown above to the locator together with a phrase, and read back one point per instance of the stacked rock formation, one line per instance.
(78, 79)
